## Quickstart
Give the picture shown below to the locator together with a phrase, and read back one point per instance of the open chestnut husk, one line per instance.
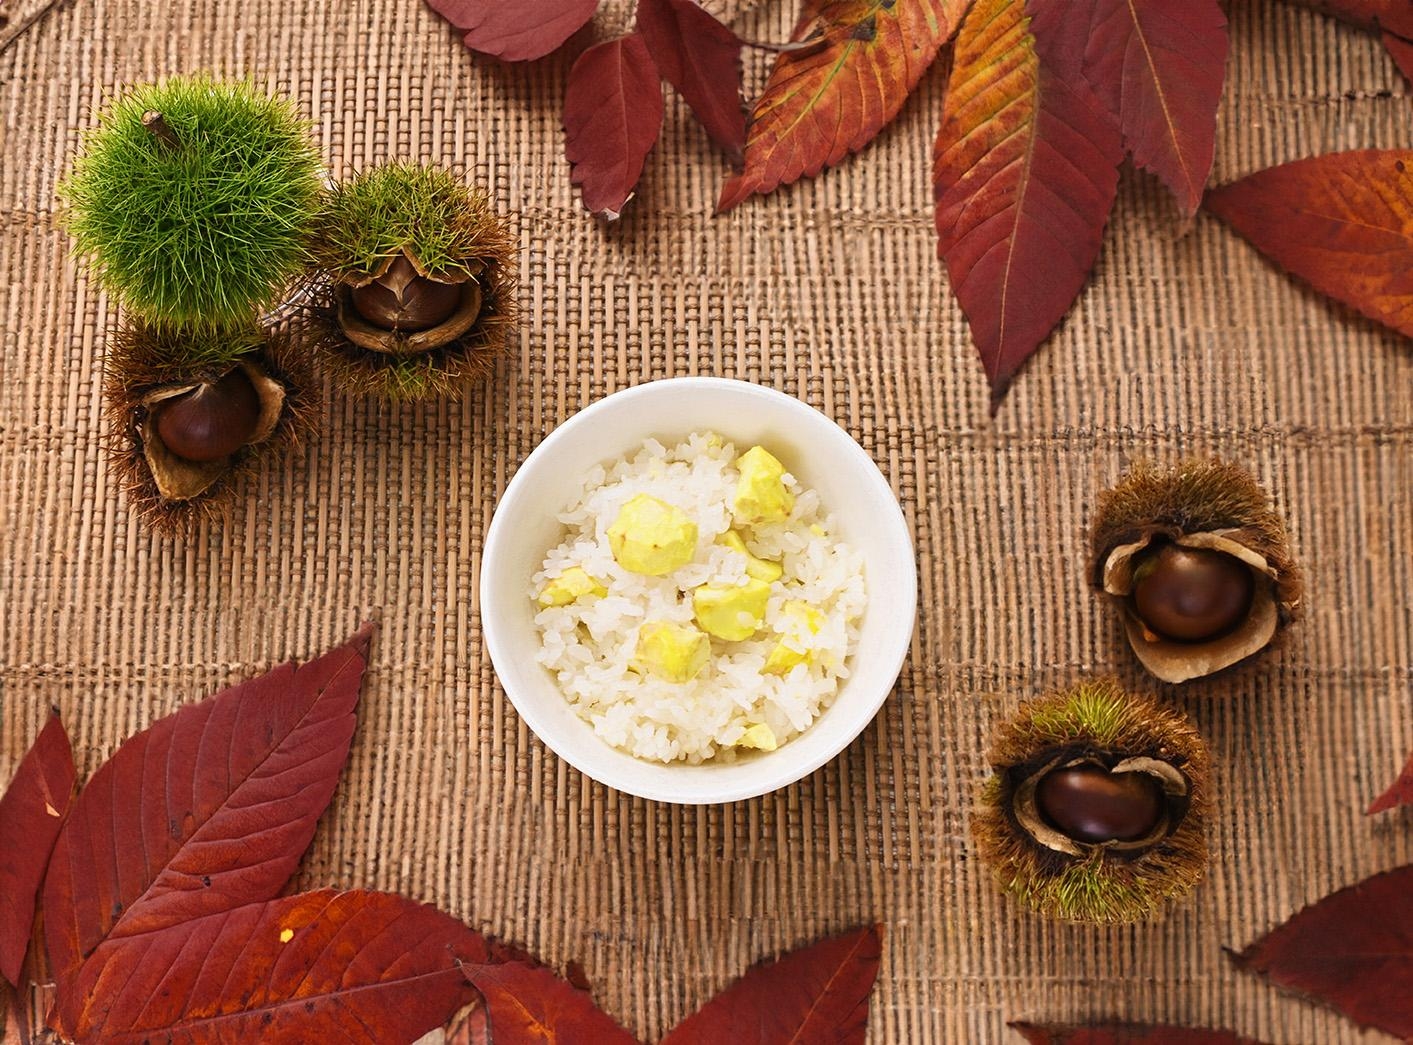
(1096, 807)
(192, 411)
(1199, 565)
(413, 283)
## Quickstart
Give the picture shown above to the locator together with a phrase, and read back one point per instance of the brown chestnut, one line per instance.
(1192, 594)
(212, 421)
(1089, 804)
(402, 300)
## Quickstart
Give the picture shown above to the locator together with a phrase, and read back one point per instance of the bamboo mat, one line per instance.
(1185, 342)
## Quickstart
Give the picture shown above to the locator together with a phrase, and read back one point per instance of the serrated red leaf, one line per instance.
(205, 810)
(822, 103)
(1157, 66)
(1025, 169)
(701, 58)
(1353, 950)
(323, 966)
(1399, 793)
(529, 1004)
(1401, 51)
(519, 31)
(1126, 1034)
(1395, 16)
(612, 116)
(818, 993)
(32, 812)
(1341, 222)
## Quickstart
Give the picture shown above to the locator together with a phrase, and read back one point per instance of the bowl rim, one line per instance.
(893, 652)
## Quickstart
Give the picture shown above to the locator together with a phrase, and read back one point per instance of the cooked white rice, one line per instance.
(590, 644)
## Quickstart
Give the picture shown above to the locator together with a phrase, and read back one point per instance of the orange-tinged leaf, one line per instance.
(1399, 793)
(529, 1004)
(816, 994)
(1342, 222)
(1025, 169)
(10, 1031)
(823, 102)
(318, 967)
(206, 810)
(1353, 950)
(32, 812)
(1401, 51)
(1126, 1034)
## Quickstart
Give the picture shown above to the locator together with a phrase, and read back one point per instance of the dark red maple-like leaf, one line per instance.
(1399, 793)
(701, 58)
(32, 811)
(818, 993)
(529, 1004)
(1157, 66)
(822, 103)
(1402, 52)
(1341, 222)
(206, 810)
(518, 31)
(612, 116)
(1126, 1034)
(1025, 169)
(322, 966)
(1353, 950)
(1395, 16)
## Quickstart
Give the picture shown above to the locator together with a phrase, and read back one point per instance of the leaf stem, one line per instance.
(156, 125)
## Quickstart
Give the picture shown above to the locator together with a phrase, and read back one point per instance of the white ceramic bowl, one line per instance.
(817, 452)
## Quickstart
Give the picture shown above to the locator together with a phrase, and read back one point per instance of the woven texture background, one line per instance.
(1186, 341)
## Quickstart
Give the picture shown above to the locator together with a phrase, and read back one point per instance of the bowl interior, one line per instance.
(819, 453)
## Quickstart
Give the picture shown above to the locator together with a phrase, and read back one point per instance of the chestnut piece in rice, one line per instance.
(1199, 565)
(414, 283)
(193, 411)
(1097, 805)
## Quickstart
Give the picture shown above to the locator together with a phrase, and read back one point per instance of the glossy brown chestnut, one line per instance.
(1089, 804)
(403, 300)
(1192, 594)
(210, 422)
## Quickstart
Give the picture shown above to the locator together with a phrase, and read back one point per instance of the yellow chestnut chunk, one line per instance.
(570, 586)
(760, 569)
(801, 622)
(759, 737)
(651, 536)
(760, 492)
(730, 612)
(673, 652)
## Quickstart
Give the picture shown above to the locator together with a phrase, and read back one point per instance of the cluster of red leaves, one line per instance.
(163, 915)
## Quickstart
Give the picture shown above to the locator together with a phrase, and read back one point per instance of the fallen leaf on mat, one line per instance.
(322, 966)
(206, 810)
(1402, 52)
(529, 1004)
(1399, 793)
(701, 58)
(1353, 950)
(1395, 16)
(1025, 168)
(1342, 222)
(32, 812)
(612, 116)
(822, 103)
(818, 993)
(519, 31)
(1125, 1034)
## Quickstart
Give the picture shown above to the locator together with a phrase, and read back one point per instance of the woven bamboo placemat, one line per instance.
(1186, 342)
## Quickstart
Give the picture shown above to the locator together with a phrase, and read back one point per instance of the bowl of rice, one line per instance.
(698, 590)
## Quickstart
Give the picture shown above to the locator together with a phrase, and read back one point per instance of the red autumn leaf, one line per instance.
(31, 813)
(701, 58)
(612, 116)
(529, 1004)
(471, 1027)
(1394, 16)
(519, 31)
(1126, 1034)
(1342, 222)
(1353, 950)
(1157, 66)
(322, 966)
(206, 810)
(822, 103)
(1402, 52)
(1399, 793)
(818, 993)
(1025, 169)
(10, 1031)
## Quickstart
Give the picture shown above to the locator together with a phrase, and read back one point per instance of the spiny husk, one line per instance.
(1097, 883)
(1210, 504)
(146, 362)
